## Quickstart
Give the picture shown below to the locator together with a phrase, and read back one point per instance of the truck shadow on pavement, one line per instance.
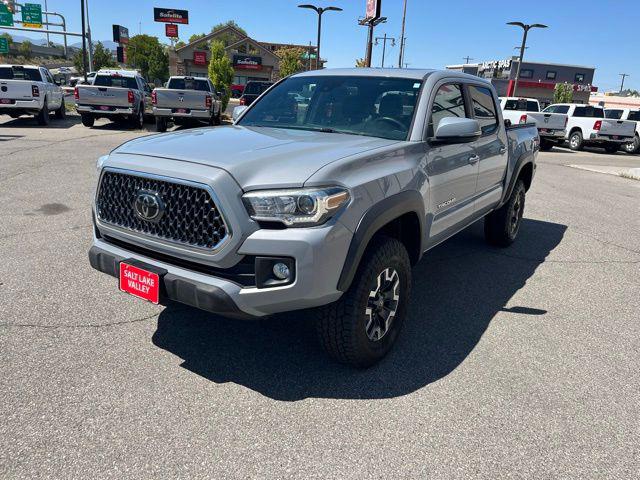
(29, 122)
(458, 289)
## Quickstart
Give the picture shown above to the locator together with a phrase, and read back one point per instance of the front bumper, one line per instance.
(96, 109)
(319, 254)
(168, 112)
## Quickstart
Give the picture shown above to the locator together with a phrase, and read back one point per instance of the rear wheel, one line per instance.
(545, 145)
(501, 227)
(362, 326)
(43, 115)
(161, 124)
(576, 142)
(87, 120)
(611, 147)
(632, 147)
(137, 119)
(61, 112)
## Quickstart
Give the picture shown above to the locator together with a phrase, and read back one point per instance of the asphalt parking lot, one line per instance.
(516, 363)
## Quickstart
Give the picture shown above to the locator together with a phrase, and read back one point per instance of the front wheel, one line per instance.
(501, 226)
(362, 326)
(576, 142)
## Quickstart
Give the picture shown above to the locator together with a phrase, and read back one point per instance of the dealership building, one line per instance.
(251, 59)
(537, 79)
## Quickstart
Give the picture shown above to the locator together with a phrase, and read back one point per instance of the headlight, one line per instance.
(100, 162)
(296, 208)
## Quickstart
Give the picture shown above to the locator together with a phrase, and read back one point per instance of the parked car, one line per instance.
(587, 125)
(632, 114)
(253, 90)
(186, 99)
(329, 209)
(79, 79)
(30, 90)
(119, 95)
(551, 126)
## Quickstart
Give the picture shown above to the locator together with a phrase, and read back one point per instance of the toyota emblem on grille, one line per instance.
(148, 206)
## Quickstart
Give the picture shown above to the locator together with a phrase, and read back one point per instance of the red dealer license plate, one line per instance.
(140, 283)
(6, 101)
(181, 110)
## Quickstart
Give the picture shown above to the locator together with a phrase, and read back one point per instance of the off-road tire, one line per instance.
(576, 142)
(545, 145)
(632, 147)
(137, 119)
(499, 227)
(43, 115)
(87, 120)
(342, 326)
(61, 112)
(161, 124)
(611, 148)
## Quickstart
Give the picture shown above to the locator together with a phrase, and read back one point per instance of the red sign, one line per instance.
(140, 283)
(199, 58)
(373, 10)
(171, 30)
(547, 86)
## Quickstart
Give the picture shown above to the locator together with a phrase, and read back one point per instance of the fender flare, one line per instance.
(380, 214)
(523, 160)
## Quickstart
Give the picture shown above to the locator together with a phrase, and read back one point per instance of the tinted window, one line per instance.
(557, 109)
(449, 102)
(256, 88)
(189, 84)
(551, 75)
(526, 73)
(484, 109)
(522, 105)
(372, 106)
(115, 81)
(634, 115)
(615, 114)
(20, 73)
(588, 111)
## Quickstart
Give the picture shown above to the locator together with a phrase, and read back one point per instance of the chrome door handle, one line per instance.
(473, 159)
(503, 150)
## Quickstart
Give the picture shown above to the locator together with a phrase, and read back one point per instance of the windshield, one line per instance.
(188, 84)
(372, 106)
(115, 81)
(522, 105)
(20, 73)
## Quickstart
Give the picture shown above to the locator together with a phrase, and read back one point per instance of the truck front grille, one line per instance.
(188, 214)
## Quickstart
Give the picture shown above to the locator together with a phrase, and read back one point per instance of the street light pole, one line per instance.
(84, 41)
(525, 29)
(404, 17)
(319, 11)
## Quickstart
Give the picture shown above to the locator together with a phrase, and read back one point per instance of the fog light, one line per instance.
(281, 271)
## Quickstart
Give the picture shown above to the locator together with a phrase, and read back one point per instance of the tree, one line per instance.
(146, 54)
(102, 57)
(563, 93)
(180, 44)
(290, 60)
(229, 37)
(25, 49)
(196, 36)
(360, 63)
(221, 71)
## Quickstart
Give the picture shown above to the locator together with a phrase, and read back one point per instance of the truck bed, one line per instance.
(181, 103)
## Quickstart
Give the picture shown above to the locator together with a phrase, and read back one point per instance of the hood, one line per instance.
(257, 157)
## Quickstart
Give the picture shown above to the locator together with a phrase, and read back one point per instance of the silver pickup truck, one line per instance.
(119, 95)
(322, 196)
(186, 99)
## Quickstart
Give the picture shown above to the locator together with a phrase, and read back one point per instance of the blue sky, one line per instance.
(600, 33)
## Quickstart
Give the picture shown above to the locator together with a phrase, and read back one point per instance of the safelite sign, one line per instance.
(171, 15)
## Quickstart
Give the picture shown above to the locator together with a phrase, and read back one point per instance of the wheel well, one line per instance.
(526, 175)
(406, 229)
(574, 129)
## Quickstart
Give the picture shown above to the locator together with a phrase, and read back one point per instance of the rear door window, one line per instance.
(556, 109)
(20, 73)
(521, 105)
(588, 111)
(484, 109)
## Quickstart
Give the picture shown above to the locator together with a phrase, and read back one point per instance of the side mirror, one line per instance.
(237, 111)
(457, 130)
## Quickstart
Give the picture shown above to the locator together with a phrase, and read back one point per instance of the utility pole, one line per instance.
(46, 19)
(623, 75)
(370, 24)
(466, 59)
(525, 29)
(384, 45)
(402, 39)
(90, 49)
(84, 41)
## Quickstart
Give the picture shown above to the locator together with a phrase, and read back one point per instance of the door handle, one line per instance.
(503, 150)
(473, 159)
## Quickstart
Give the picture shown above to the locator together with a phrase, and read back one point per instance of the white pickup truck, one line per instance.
(186, 99)
(588, 126)
(551, 126)
(632, 114)
(30, 90)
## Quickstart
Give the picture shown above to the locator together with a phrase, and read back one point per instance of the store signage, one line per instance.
(171, 15)
(374, 8)
(199, 58)
(120, 34)
(496, 64)
(171, 30)
(247, 62)
(32, 15)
